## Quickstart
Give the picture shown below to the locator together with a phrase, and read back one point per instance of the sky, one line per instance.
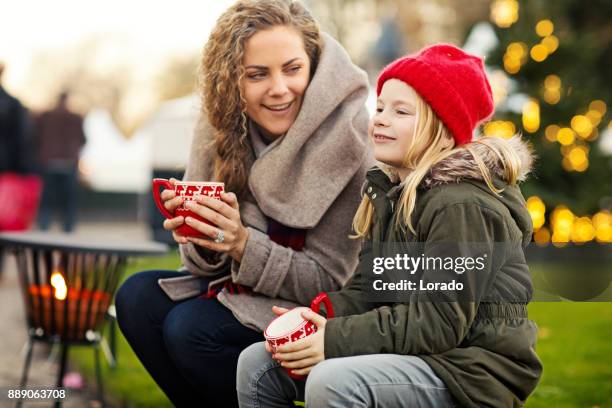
(152, 29)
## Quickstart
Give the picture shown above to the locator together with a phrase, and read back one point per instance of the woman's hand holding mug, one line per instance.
(203, 214)
(171, 202)
(227, 234)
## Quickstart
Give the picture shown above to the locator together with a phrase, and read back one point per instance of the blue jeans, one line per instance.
(376, 380)
(190, 348)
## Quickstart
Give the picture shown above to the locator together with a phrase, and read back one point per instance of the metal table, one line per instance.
(68, 283)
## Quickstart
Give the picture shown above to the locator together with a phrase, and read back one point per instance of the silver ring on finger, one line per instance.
(220, 237)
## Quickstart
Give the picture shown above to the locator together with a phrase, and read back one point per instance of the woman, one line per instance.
(438, 194)
(288, 139)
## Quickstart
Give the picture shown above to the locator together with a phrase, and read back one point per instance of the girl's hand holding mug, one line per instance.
(296, 338)
(299, 357)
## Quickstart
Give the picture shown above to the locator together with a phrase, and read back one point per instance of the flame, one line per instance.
(59, 284)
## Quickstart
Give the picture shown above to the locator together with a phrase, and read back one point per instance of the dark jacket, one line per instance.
(60, 136)
(13, 134)
(483, 350)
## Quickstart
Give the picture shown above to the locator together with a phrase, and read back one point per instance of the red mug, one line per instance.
(291, 326)
(188, 191)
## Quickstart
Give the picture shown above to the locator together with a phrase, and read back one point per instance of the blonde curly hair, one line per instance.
(222, 71)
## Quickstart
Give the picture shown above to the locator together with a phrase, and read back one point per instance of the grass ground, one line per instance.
(128, 384)
(575, 345)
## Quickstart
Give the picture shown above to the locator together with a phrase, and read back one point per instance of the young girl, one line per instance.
(434, 185)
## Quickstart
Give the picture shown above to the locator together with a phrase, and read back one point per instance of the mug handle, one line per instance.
(315, 305)
(157, 183)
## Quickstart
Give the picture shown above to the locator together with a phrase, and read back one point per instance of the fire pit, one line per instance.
(67, 294)
(68, 283)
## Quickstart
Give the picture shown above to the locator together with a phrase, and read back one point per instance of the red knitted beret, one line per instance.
(451, 81)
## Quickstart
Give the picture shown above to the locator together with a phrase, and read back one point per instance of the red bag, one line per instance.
(19, 200)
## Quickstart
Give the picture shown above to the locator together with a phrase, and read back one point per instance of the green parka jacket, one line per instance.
(483, 350)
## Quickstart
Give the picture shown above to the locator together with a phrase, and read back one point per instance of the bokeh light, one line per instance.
(531, 116)
(562, 220)
(536, 209)
(552, 89)
(500, 128)
(551, 43)
(515, 56)
(504, 13)
(542, 236)
(565, 136)
(551, 133)
(578, 158)
(602, 222)
(582, 126)
(582, 230)
(544, 28)
(538, 53)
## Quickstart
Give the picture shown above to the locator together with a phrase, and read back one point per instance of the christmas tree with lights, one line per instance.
(557, 56)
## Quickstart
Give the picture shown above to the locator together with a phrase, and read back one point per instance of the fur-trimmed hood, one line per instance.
(462, 168)
(462, 165)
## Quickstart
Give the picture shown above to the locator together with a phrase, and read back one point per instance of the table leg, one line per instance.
(98, 373)
(62, 370)
(26, 368)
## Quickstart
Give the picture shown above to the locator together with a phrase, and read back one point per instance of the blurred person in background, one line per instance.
(13, 132)
(13, 136)
(59, 139)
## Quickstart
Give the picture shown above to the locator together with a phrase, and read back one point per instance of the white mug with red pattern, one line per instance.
(291, 326)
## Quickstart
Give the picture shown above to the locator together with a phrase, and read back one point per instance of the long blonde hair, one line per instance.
(433, 142)
(221, 73)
